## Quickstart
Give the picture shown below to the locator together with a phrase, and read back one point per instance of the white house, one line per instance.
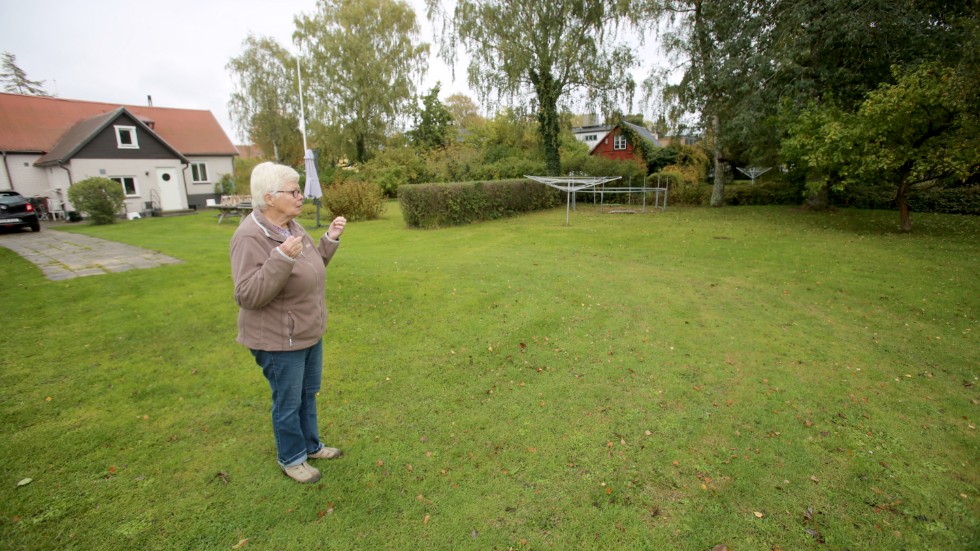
(167, 159)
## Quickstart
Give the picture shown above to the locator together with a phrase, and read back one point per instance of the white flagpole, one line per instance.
(302, 112)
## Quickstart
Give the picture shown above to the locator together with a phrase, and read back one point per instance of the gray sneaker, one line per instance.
(302, 473)
(326, 453)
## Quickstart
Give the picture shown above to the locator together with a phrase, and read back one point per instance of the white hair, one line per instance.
(267, 178)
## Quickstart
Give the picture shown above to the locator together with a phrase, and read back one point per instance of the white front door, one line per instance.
(171, 194)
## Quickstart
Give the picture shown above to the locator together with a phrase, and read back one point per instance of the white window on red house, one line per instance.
(619, 142)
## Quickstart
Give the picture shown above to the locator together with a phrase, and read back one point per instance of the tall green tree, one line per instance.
(15, 81)
(545, 50)
(464, 110)
(829, 55)
(363, 60)
(925, 126)
(432, 122)
(715, 42)
(264, 105)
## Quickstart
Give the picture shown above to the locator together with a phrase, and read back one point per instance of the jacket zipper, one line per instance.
(292, 325)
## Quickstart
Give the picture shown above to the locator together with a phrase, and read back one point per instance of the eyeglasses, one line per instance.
(294, 192)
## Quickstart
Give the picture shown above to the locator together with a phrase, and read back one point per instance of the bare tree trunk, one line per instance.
(902, 200)
(718, 190)
(819, 198)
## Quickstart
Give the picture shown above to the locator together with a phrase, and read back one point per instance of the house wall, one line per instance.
(21, 175)
(600, 135)
(24, 177)
(143, 171)
(199, 192)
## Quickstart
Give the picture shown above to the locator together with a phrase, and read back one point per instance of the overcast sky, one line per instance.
(121, 51)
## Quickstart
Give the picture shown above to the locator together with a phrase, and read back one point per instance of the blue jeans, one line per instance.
(294, 377)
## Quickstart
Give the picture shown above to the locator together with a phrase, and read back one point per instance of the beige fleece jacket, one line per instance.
(282, 302)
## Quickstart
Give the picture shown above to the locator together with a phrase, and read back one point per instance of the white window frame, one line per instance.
(136, 189)
(591, 137)
(195, 172)
(132, 133)
(619, 142)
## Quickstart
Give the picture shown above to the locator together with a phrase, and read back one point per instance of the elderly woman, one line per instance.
(279, 275)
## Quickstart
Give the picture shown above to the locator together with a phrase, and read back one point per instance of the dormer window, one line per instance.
(126, 137)
(619, 142)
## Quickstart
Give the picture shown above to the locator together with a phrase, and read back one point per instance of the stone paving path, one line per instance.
(64, 255)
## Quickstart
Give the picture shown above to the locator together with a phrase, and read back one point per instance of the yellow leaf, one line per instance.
(241, 543)
(758, 514)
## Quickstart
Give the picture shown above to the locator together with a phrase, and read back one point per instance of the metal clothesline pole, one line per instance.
(567, 184)
(302, 111)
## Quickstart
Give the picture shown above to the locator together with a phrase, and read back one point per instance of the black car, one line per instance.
(17, 211)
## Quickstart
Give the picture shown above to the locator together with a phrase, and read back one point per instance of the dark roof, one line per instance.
(593, 128)
(37, 124)
(643, 133)
(82, 133)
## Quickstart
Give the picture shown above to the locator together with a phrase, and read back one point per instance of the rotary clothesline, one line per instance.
(570, 184)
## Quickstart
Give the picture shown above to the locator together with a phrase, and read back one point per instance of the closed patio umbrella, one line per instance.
(312, 189)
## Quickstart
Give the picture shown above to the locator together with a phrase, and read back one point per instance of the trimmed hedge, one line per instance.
(438, 205)
(959, 200)
(768, 192)
(963, 200)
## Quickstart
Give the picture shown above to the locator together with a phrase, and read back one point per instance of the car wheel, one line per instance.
(35, 226)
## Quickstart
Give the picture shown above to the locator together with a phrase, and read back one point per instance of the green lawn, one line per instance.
(758, 377)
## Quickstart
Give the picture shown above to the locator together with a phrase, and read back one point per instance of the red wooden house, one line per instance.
(613, 142)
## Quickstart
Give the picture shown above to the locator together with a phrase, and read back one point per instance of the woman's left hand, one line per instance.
(336, 228)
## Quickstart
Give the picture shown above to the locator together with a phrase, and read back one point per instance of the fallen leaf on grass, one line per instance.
(758, 514)
(425, 521)
(720, 547)
(25, 482)
(241, 543)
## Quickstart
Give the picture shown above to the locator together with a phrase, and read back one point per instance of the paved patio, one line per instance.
(62, 255)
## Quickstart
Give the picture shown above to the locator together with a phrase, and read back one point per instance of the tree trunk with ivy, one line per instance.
(548, 120)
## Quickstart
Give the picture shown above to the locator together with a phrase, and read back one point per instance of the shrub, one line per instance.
(394, 167)
(436, 205)
(681, 189)
(226, 185)
(100, 198)
(957, 200)
(963, 200)
(354, 200)
(768, 192)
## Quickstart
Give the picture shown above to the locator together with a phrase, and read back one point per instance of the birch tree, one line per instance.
(540, 51)
(363, 59)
